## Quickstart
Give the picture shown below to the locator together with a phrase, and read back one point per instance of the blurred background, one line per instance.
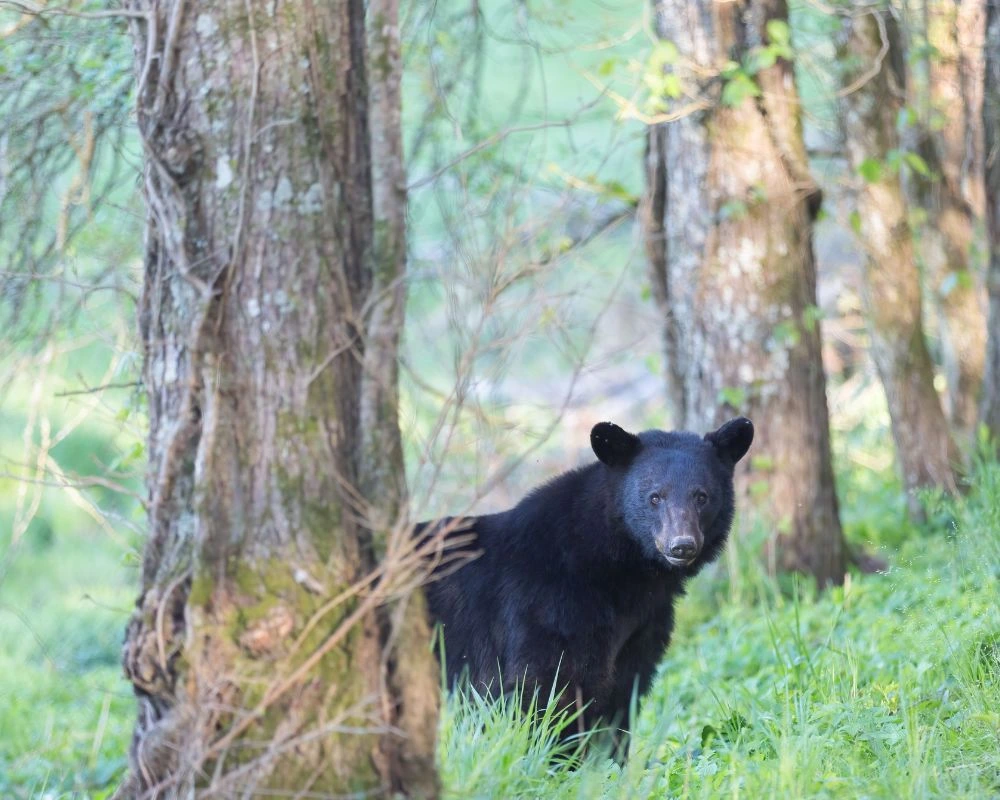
(536, 304)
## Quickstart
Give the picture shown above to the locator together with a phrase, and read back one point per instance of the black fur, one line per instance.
(578, 578)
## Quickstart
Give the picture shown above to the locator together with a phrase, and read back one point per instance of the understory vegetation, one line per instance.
(886, 687)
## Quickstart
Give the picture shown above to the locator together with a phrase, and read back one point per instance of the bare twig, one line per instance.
(498, 137)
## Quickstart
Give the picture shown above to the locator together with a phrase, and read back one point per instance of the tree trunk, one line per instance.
(947, 235)
(971, 31)
(990, 407)
(872, 97)
(266, 650)
(729, 212)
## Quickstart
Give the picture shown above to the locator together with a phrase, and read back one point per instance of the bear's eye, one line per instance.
(655, 499)
(700, 497)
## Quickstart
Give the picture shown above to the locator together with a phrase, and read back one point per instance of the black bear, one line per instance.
(574, 587)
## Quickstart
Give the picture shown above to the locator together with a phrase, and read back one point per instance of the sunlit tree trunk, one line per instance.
(273, 650)
(947, 236)
(990, 408)
(871, 99)
(729, 212)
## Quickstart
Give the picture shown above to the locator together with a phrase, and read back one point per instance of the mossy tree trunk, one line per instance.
(729, 210)
(946, 133)
(872, 96)
(990, 406)
(276, 646)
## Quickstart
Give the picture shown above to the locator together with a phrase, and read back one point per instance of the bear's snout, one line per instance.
(679, 551)
(683, 547)
(680, 540)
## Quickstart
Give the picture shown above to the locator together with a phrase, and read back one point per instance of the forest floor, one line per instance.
(886, 687)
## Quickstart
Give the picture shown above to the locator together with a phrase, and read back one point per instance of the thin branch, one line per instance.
(32, 10)
(498, 137)
(101, 388)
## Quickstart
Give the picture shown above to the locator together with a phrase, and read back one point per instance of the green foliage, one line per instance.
(663, 84)
(734, 396)
(739, 78)
(873, 170)
(786, 334)
(811, 316)
(870, 170)
(527, 754)
(733, 209)
(917, 164)
(739, 86)
(854, 220)
(780, 36)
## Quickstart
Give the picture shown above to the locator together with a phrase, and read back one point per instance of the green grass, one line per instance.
(65, 710)
(886, 688)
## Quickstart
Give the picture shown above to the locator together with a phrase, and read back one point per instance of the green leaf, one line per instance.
(733, 396)
(870, 170)
(614, 190)
(732, 209)
(729, 70)
(761, 58)
(664, 53)
(778, 32)
(786, 333)
(854, 220)
(708, 733)
(739, 88)
(811, 314)
(672, 85)
(917, 164)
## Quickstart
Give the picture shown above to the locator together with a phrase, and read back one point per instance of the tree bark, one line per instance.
(971, 24)
(729, 211)
(266, 650)
(947, 147)
(989, 414)
(872, 97)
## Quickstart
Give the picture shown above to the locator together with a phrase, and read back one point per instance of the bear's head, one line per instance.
(673, 492)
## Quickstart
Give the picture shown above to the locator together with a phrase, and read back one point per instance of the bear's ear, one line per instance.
(613, 445)
(732, 440)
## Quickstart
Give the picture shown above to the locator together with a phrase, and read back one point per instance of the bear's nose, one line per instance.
(683, 547)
